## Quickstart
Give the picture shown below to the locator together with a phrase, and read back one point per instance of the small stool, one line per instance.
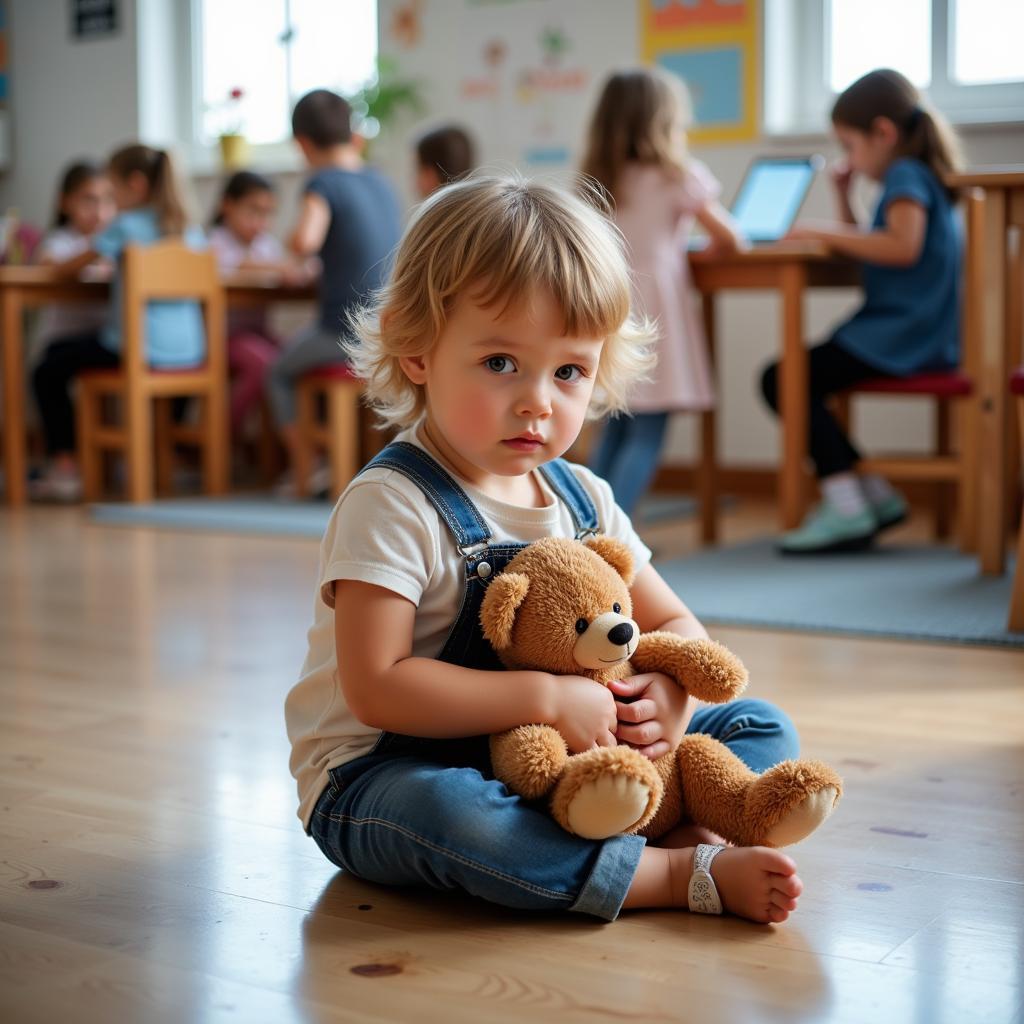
(337, 390)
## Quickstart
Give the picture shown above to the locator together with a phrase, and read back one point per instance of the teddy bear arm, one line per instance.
(707, 670)
(529, 759)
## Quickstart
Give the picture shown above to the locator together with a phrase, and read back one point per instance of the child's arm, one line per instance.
(314, 220)
(74, 266)
(897, 244)
(387, 688)
(723, 231)
(656, 721)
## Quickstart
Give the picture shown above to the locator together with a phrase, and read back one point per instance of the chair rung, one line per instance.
(937, 468)
(186, 435)
(108, 437)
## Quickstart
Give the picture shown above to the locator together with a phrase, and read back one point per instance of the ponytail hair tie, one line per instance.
(915, 117)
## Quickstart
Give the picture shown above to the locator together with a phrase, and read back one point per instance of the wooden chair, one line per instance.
(165, 271)
(949, 465)
(336, 391)
(1016, 623)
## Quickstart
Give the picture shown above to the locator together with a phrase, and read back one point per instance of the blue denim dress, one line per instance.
(417, 811)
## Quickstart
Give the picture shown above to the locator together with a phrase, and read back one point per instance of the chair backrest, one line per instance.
(973, 283)
(169, 271)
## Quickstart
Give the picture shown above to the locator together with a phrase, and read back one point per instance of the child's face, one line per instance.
(249, 217)
(505, 393)
(870, 152)
(91, 206)
(130, 191)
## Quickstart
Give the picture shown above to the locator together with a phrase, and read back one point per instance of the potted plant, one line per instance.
(382, 98)
(234, 148)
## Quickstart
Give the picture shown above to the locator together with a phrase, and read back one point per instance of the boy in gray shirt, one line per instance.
(350, 218)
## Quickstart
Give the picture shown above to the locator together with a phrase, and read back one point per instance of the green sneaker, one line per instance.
(826, 530)
(890, 512)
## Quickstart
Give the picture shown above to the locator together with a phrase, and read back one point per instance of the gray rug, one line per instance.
(291, 518)
(898, 591)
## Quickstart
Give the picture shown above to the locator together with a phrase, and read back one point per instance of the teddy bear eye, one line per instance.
(581, 625)
(616, 607)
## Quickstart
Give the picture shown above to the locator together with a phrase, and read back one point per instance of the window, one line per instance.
(966, 54)
(274, 51)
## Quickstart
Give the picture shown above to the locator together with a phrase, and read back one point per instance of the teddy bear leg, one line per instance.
(529, 759)
(605, 792)
(790, 800)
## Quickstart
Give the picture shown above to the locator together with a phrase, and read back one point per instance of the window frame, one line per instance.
(797, 96)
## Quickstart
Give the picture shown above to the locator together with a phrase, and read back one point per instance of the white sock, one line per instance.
(842, 491)
(876, 488)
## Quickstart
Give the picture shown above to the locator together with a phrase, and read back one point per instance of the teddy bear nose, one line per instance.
(621, 634)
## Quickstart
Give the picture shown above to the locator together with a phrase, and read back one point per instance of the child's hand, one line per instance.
(655, 721)
(585, 713)
(841, 174)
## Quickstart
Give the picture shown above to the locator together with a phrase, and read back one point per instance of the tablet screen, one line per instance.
(770, 197)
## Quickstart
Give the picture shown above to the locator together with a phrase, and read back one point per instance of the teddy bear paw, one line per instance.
(608, 806)
(791, 800)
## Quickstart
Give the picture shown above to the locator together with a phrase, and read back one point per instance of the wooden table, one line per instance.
(996, 319)
(789, 268)
(22, 288)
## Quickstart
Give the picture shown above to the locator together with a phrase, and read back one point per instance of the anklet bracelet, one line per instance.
(702, 894)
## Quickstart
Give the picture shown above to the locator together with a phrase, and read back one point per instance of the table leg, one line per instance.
(793, 398)
(707, 470)
(993, 405)
(14, 396)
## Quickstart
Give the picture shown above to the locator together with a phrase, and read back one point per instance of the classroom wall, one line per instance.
(70, 98)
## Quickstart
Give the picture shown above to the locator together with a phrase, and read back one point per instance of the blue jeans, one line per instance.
(627, 455)
(416, 820)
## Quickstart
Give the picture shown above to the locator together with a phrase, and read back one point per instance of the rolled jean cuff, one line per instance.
(605, 889)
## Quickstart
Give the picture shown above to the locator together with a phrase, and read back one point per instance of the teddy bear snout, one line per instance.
(621, 634)
(609, 639)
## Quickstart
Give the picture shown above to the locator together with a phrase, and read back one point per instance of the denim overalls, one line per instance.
(417, 811)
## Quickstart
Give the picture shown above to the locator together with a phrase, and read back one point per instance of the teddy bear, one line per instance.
(563, 606)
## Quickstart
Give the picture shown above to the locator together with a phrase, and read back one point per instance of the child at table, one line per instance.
(636, 149)
(150, 201)
(350, 218)
(442, 155)
(910, 319)
(505, 323)
(241, 240)
(84, 207)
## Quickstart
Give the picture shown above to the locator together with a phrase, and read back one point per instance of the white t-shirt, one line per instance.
(59, 321)
(385, 531)
(231, 253)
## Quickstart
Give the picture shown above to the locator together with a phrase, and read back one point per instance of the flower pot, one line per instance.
(234, 151)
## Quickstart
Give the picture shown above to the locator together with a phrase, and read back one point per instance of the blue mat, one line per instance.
(288, 517)
(906, 592)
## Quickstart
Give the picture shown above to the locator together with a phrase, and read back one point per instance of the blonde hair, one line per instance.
(501, 237)
(641, 117)
(166, 194)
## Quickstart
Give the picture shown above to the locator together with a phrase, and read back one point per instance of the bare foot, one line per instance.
(689, 835)
(755, 882)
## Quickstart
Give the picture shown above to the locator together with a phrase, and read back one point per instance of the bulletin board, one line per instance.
(713, 45)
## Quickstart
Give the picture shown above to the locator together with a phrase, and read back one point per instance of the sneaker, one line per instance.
(826, 530)
(317, 483)
(58, 485)
(890, 512)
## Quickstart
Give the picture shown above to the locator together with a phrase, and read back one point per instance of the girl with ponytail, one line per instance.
(910, 320)
(151, 207)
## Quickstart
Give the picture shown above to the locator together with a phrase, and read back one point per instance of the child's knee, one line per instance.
(752, 713)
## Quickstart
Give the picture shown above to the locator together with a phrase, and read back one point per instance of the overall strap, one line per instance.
(566, 485)
(451, 501)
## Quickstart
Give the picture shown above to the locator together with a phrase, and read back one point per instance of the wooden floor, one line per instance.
(152, 868)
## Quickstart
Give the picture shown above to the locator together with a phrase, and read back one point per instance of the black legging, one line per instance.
(830, 369)
(63, 360)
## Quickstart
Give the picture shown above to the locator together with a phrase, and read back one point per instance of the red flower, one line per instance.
(236, 93)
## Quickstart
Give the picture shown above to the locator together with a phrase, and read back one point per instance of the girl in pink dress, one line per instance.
(636, 151)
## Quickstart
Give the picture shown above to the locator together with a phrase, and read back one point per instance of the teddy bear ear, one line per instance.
(615, 553)
(501, 602)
